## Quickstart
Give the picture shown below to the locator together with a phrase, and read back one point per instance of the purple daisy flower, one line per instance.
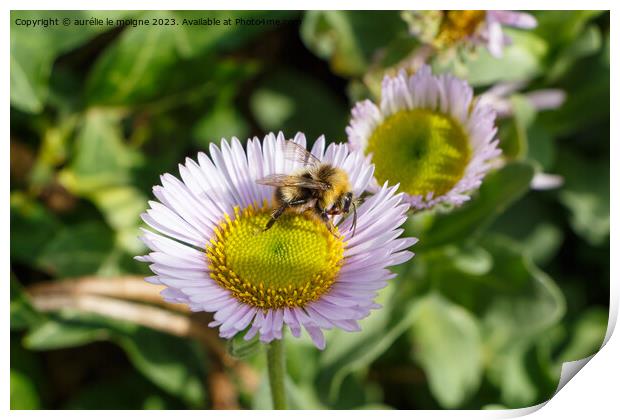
(429, 135)
(452, 28)
(213, 254)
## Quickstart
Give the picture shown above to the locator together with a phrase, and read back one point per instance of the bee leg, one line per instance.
(296, 203)
(275, 215)
(278, 212)
(330, 226)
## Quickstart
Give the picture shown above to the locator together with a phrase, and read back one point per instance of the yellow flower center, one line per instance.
(423, 150)
(289, 265)
(457, 25)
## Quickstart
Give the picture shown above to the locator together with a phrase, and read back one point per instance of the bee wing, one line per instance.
(296, 153)
(282, 180)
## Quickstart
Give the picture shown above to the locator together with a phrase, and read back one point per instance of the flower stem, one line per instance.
(275, 366)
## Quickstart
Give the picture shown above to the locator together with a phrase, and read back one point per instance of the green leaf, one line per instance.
(525, 300)
(349, 352)
(586, 195)
(543, 243)
(561, 27)
(525, 372)
(587, 335)
(586, 83)
(51, 335)
(28, 82)
(520, 61)
(148, 62)
(27, 377)
(291, 101)
(101, 158)
(515, 300)
(374, 406)
(126, 391)
(535, 226)
(175, 364)
(541, 146)
(590, 214)
(516, 305)
(588, 43)
(393, 57)
(196, 39)
(448, 346)
(32, 226)
(23, 315)
(73, 328)
(135, 65)
(509, 371)
(301, 360)
(24, 394)
(240, 348)
(349, 39)
(523, 137)
(498, 191)
(524, 116)
(473, 260)
(52, 152)
(33, 51)
(100, 172)
(494, 407)
(77, 250)
(225, 121)
(121, 206)
(272, 108)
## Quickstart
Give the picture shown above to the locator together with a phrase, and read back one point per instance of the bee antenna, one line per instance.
(354, 217)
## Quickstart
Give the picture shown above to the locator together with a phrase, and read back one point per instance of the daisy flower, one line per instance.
(429, 135)
(451, 28)
(212, 253)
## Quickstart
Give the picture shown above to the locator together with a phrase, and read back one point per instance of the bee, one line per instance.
(320, 188)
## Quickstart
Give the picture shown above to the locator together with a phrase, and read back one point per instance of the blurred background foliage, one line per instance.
(500, 293)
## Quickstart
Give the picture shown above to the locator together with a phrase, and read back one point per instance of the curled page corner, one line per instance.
(569, 369)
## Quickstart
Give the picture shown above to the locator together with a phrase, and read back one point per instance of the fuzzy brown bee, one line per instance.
(318, 187)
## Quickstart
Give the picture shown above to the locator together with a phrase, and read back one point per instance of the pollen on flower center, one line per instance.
(457, 25)
(423, 150)
(289, 265)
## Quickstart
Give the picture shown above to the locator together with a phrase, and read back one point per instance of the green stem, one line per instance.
(275, 366)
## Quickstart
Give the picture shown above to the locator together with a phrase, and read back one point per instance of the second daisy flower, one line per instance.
(429, 135)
